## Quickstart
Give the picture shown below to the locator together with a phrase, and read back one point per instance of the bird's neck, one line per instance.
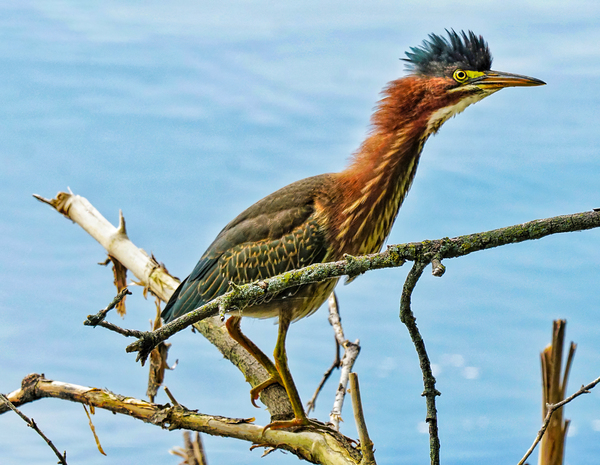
(381, 172)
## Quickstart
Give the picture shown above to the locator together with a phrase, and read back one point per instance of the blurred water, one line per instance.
(183, 114)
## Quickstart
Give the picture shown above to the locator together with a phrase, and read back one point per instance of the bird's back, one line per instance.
(281, 232)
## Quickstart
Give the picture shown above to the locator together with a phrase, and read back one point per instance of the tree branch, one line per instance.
(407, 317)
(156, 278)
(314, 446)
(8, 405)
(351, 351)
(366, 445)
(395, 255)
(115, 241)
(551, 409)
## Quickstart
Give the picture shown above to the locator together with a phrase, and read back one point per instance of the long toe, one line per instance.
(256, 390)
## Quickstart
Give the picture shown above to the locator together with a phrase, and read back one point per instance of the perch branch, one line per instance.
(315, 447)
(155, 277)
(395, 255)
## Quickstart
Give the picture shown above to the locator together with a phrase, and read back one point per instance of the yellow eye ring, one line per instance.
(460, 76)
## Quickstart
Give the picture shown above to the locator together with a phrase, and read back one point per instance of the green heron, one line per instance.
(322, 218)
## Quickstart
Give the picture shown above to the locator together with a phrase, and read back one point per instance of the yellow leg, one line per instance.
(279, 371)
(233, 328)
(281, 363)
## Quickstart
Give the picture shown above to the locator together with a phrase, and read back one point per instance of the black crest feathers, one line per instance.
(439, 56)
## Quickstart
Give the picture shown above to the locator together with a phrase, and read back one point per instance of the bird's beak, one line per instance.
(499, 80)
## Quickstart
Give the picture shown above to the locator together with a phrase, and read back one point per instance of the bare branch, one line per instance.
(366, 445)
(311, 404)
(552, 447)
(32, 424)
(551, 409)
(335, 320)
(95, 320)
(313, 446)
(407, 317)
(79, 210)
(351, 351)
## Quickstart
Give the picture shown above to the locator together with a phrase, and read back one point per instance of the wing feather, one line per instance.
(279, 233)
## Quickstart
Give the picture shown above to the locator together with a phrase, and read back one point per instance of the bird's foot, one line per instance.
(256, 390)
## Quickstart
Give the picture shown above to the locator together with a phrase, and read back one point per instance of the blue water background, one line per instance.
(184, 113)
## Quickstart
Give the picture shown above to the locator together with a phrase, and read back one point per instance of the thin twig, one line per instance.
(366, 445)
(312, 403)
(171, 397)
(122, 331)
(31, 423)
(351, 351)
(336, 322)
(95, 320)
(407, 317)
(551, 409)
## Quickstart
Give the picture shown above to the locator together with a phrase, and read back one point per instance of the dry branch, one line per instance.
(115, 241)
(345, 363)
(7, 404)
(430, 392)
(422, 253)
(366, 445)
(155, 277)
(316, 447)
(552, 447)
(554, 407)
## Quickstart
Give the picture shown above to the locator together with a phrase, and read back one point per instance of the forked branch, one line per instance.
(553, 408)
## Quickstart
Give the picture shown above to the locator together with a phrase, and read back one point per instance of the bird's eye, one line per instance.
(460, 76)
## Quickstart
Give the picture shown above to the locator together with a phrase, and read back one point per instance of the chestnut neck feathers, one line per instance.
(381, 172)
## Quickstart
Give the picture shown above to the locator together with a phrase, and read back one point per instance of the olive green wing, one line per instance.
(279, 233)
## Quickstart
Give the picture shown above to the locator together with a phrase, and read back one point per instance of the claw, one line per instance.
(253, 398)
(297, 423)
(256, 390)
